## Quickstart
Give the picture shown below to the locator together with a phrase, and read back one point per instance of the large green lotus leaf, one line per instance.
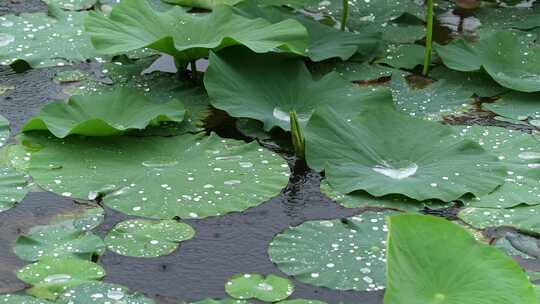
(208, 4)
(222, 301)
(403, 56)
(431, 260)
(355, 71)
(510, 59)
(498, 18)
(478, 83)
(101, 293)
(236, 85)
(44, 39)
(147, 238)
(50, 277)
(21, 299)
(73, 5)
(516, 105)
(135, 24)
(13, 187)
(15, 156)
(271, 288)
(398, 154)
(520, 153)
(432, 102)
(342, 254)
(4, 130)
(189, 176)
(104, 114)
(361, 199)
(524, 218)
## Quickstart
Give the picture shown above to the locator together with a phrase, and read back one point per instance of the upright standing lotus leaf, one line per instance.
(431, 260)
(516, 105)
(510, 59)
(104, 115)
(101, 293)
(147, 238)
(236, 85)
(44, 39)
(207, 4)
(403, 56)
(21, 299)
(51, 276)
(271, 288)
(73, 5)
(437, 99)
(361, 199)
(222, 301)
(189, 176)
(520, 153)
(4, 130)
(302, 301)
(342, 254)
(135, 24)
(398, 154)
(478, 82)
(13, 188)
(524, 218)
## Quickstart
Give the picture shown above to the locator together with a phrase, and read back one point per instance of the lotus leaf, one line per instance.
(271, 288)
(478, 83)
(101, 293)
(222, 301)
(524, 218)
(4, 130)
(498, 18)
(73, 5)
(208, 4)
(516, 105)
(13, 188)
(354, 71)
(302, 301)
(403, 56)
(21, 299)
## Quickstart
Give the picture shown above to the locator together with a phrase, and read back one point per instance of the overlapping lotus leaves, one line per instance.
(520, 153)
(51, 276)
(398, 154)
(342, 254)
(135, 24)
(44, 39)
(4, 130)
(516, 105)
(524, 218)
(478, 83)
(361, 199)
(271, 288)
(101, 293)
(236, 85)
(147, 238)
(403, 56)
(432, 102)
(510, 59)
(189, 176)
(208, 4)
(222, 301)
(73, 5)
(431, 260)
(13, 188)
(104, 114)
(21, 299)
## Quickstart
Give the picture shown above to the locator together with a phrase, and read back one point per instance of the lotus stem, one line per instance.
(345, 14)
(429, 37)
(297, 136)
(193, 65)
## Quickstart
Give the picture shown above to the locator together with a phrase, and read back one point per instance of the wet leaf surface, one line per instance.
(271, 288)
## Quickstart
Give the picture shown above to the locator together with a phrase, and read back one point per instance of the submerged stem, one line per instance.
(429, 37)
(345, 14)
(193, 65)
(297, 136)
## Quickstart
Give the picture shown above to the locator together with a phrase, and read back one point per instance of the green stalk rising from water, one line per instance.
(345, 14)
(297, 136)
(429, 37)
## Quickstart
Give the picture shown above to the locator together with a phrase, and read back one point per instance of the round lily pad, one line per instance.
(342, 254)
(4, 130)
(101, 293)
(13, 188)
(21, 299)
(271, 288)
(188, 176)
(524, 218)
(51, 276)
(147, 238)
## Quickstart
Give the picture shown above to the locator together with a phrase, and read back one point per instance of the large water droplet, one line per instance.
(115, 294)
(160, 162)
(394, 173)
(57, 278)
(6, 39)
(265, 286)
(529, 155)
(281, 115)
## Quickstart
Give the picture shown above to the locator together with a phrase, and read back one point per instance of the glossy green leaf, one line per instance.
(271, 288)
(354, 71)
(146, 238)
(516, 105)
(498, 18)
(222, 301)
(236, 85)
(478, 83)
(101, 293)
(524, 218)
(342, 254)
(135, 24)
(73, 5)
(104, 115)
(431, 260)
(302, 301)
(398, 154)
(21, 299)
(189, 176)
(403, 56)
(13, 188)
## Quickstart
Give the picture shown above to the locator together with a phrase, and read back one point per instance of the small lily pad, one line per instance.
(516, 105)
(101, 293)
(431, 260)
(21, 299)
(524, 218)
(13, 188)
(271, 288)
(146, 238)
(398, 154)
(51, 276)
(104, 115)
(4, 130)
(342, 254)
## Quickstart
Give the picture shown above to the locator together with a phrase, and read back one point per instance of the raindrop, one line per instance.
(400, 173)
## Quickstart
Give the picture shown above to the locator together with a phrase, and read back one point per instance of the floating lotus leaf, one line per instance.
(271, 288)
(15, 156)
(302, 301)
(104, 115)
(21, 299)
(147, 238)
(236, 85)
(208, 4)
(432, 102)
(478, 83)
(510, 59)
(135, 24)
(516, 105)
(189, 176)
(101, 293)
(51, 276)
(222, 301)
(524, 218)
(431, 260)
(44, 39)
(520, 153)
(498, 18)
(4, 130)
(403, 56)
(398, 154)
(354, 71)
(73, 5)
(342, 254)
(13, 188)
